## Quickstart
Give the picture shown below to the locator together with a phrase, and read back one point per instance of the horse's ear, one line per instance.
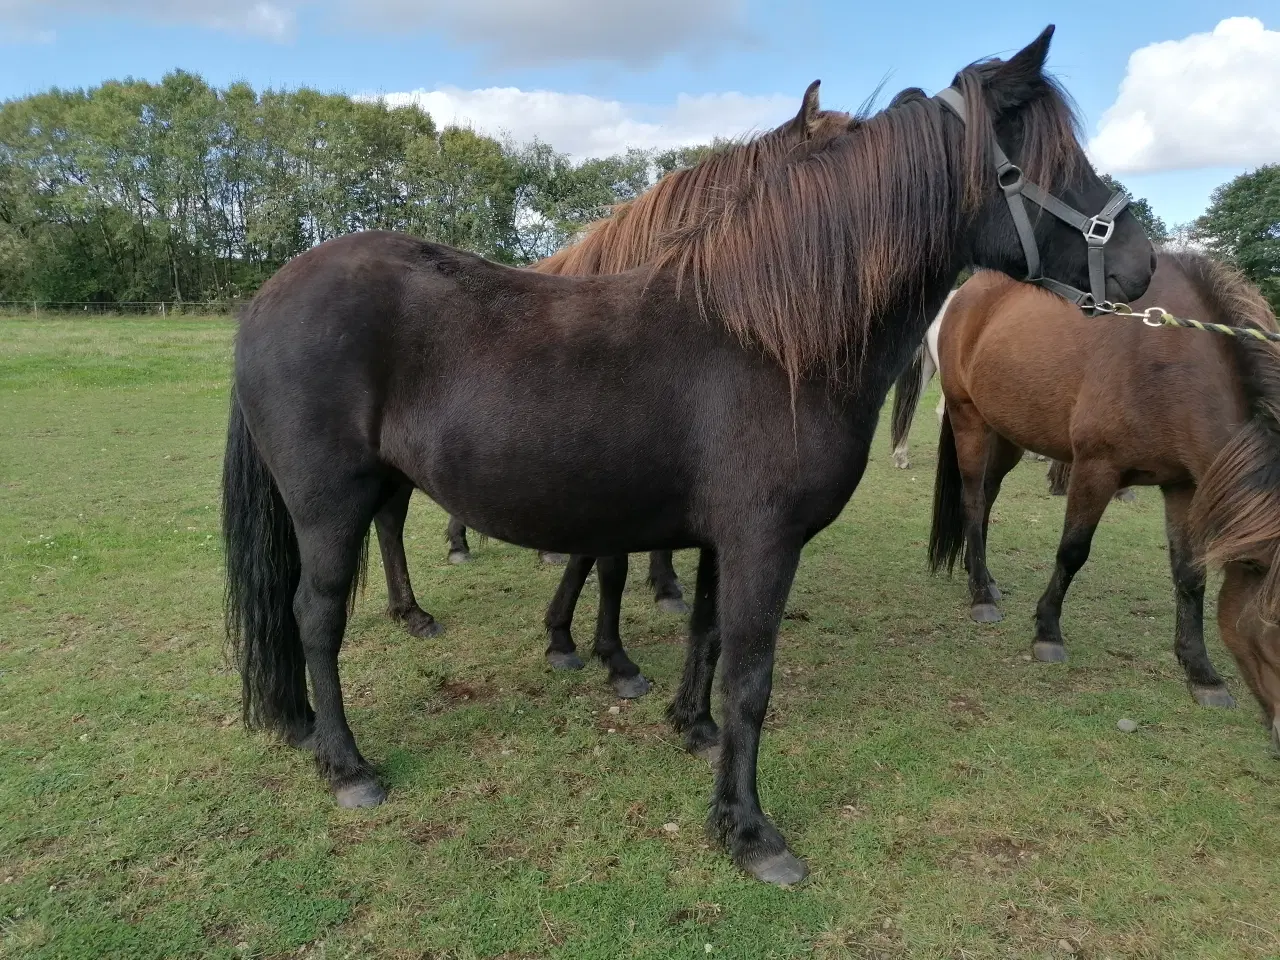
(809, 108)
(1018, 76)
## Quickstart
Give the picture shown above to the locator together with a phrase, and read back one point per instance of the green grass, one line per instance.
(954, 799)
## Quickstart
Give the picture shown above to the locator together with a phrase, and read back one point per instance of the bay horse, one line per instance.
(911, 385)
(629, 237)
(1123, 405)
(722, 398)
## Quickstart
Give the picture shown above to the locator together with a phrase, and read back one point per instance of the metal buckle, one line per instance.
(1014, 185)
(1098, 230)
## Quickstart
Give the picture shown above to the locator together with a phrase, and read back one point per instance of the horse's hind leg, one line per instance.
(690, 710)
(402, 605)
(666, 586)
(459, 549)
(1088, 492)
(329, 547)
(1002, 456)
(561, 652)
(974, 443)
(624, 676)
(1203, 680)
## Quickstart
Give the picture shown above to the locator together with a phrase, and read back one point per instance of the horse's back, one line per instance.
(1063, 384)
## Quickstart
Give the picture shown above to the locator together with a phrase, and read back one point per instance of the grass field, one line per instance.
(953, 799)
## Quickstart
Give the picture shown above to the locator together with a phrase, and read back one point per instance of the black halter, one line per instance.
(1017, 189)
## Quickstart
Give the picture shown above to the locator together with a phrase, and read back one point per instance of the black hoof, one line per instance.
(782, 869)
(422, 624)
(362, 793)
(459, 556)
(1126, 495)
(986, 613)
(673, 605)
(709, 752)
(630, 688)
(559, 660)
(552, 559)
(1218, 696)
(305, 740)
(703, 742)
(1047, 652)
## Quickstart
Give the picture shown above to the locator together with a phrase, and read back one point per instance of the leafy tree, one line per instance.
(1156, 228)
(178, 190)
(1242, 224)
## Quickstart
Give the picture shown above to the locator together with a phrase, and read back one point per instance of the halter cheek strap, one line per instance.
(1018, 189)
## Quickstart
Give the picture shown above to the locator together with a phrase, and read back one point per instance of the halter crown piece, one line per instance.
(1018, 189)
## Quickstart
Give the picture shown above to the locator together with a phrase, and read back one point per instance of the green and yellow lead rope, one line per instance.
(1160, 317)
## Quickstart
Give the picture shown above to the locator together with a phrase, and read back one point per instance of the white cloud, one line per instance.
(584, 126)
(547, 31)
(512, 32)
(1211, 99)
(36, 20)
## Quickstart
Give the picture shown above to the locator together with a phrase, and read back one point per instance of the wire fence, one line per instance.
(86, 308)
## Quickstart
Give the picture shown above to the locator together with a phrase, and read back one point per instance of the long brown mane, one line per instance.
(802, 261)
(629, 236)
(1236, 512)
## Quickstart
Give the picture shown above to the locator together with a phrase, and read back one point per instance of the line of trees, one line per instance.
(180, 191)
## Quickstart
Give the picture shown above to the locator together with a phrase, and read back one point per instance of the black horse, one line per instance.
(723, 399)
(629, 237)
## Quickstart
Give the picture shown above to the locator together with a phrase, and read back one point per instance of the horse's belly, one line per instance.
(571, 484)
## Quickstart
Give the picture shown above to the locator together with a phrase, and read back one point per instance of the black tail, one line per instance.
(262, 577)
(1059, 476)
(906, 397)
(946, 537)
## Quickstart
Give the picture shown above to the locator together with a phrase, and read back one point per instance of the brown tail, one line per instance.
(1059, 476)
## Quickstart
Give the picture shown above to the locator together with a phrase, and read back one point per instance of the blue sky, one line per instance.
(642, 57)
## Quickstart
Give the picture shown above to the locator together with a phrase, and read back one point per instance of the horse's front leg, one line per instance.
(755, 579)
(690, 710)
(666, 586)
(562, 654)
(1206, 685)
(402, 605)
(624, 676)
(1088, 492)
(459, 549)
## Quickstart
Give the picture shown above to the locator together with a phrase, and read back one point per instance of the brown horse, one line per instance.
(629, 237)
(724, 399)
(1124, 405)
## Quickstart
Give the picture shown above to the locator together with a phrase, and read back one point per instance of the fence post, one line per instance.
(35, 309)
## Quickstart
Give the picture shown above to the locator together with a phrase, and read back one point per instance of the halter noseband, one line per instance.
(1017, 189)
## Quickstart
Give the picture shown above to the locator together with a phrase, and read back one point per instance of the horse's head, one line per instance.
(813, 123)
(1253, 635)
(1034, 126)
